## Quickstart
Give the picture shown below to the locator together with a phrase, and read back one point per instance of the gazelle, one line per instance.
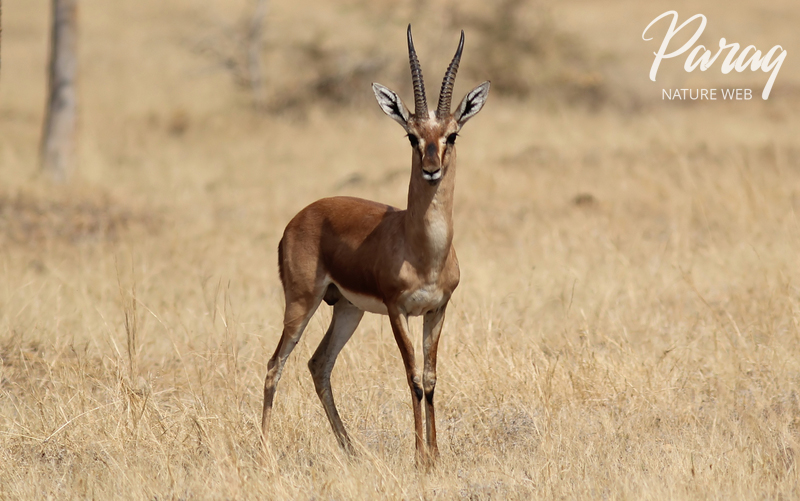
(359, 256)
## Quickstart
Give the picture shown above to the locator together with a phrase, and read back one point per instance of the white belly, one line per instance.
(413, 303)
(363, 302)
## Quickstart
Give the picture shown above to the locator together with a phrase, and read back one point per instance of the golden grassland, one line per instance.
(627, 325)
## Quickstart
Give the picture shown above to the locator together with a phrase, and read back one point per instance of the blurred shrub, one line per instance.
(301, 69)
(519, 47)
(514, 43)
(329, 76)
(68, 216)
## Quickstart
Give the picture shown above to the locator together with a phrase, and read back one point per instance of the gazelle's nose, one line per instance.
(431, 162)
(431, 151)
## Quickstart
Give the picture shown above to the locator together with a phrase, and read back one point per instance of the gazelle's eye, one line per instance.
(451, 139)
(414, 140)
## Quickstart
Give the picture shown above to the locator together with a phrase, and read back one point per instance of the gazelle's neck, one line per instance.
(429, 217)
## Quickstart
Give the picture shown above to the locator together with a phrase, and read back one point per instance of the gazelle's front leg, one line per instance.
(399, 322)
(431, 329)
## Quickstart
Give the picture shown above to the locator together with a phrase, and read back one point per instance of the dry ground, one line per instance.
(628, 322)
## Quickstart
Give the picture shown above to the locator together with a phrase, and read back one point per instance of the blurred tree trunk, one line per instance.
(255, 41)
(58, 138)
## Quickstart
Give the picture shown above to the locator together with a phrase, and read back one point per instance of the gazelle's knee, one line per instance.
(429, 385)
(271, 381)
(313, 365)
(416, 387)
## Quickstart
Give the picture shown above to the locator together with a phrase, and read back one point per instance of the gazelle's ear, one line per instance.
(472, 103)
(391, 104)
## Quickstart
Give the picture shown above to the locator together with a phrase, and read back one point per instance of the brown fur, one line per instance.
(362, 255)
(280, 262)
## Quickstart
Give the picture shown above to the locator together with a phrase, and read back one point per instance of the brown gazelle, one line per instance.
(359, 256)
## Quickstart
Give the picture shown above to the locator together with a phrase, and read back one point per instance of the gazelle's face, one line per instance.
(433, 142)
(432, 138)
(432, 134)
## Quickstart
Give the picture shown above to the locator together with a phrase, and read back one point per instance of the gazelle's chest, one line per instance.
(423, 299)
(426, 290)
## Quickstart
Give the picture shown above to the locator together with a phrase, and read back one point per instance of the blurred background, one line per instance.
(165, 85)
(629, 301)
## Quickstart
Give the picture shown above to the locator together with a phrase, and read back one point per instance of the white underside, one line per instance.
(362, 301)
(412, 304)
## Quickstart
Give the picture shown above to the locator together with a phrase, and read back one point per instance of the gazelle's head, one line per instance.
(432, 134)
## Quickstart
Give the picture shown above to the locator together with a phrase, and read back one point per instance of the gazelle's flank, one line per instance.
(362, 256)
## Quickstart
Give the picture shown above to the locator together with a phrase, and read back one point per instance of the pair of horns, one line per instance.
(446, 94)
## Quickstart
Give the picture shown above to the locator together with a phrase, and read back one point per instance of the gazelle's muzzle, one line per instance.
(431, 164)
(432, 177)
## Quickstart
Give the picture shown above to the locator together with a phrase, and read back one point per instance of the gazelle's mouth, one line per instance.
(432, 177)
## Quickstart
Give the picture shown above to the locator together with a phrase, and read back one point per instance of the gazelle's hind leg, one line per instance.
(298, 312)
(345, 320)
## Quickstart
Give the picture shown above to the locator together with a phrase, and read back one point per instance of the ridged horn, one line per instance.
(446, 94)
(420, 103)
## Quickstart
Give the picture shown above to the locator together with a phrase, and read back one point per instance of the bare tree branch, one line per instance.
(1, 32)
(58, 138)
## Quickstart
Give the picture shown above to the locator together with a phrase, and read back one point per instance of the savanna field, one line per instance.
(627, 324)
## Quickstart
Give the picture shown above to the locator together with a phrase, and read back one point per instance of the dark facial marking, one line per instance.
(414, 140)
(451, 139)
(430, 150)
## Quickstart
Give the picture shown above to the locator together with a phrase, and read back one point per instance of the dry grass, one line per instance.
(627, 325)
